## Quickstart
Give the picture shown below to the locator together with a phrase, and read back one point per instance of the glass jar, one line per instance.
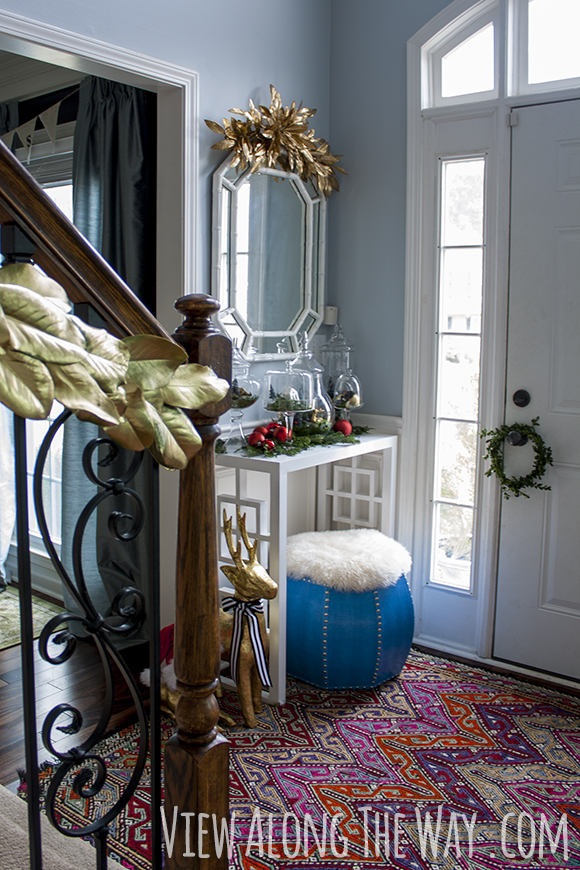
(245, 392)
(286, 393)
(347, 395)
(321, 417)
(335, 359)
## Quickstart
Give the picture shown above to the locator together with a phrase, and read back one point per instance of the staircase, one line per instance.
(196, 758)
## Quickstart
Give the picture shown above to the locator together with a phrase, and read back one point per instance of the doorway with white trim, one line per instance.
(475, 71)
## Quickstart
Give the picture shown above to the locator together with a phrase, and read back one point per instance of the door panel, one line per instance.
(538, 594)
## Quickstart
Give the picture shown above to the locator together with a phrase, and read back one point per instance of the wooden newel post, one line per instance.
(197, 757)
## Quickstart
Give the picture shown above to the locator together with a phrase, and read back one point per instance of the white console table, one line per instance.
(340, 487)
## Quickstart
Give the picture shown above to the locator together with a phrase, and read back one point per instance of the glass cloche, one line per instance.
(321, 416)
(245, 392)
(286, 393)
(347, 395)
(335, 359)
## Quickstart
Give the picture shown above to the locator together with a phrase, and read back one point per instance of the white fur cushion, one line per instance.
(353, 561)
(167, 676)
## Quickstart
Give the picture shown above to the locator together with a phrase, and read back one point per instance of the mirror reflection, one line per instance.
(268, 258)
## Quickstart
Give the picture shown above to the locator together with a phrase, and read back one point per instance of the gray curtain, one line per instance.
(8, 121)
(114, 173)
(8, 117)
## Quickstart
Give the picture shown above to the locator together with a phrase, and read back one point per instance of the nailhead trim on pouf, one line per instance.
(345, 639)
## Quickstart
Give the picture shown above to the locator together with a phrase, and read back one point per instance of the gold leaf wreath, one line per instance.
(278, 135)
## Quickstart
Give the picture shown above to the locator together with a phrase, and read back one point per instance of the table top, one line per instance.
(319, 455)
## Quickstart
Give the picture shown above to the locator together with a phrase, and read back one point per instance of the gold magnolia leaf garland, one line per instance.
(133, 388)
(278, 135)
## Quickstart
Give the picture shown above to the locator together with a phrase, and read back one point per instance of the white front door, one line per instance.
(538, 591)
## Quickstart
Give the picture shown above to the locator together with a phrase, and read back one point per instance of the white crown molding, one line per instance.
(49, 44)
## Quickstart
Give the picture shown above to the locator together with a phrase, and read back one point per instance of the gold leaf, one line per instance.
(103, 344)
(182, 429)
(33, 278)
(150, 375)
(50, 349)
(165, 448)
(138, 413)
(4, 331)
(77, 390)
(215, 128)
(193, 386)
(41, 312)
(153, 360)
(42, 345)
(26, 386)
(125, 435)
(292, 145)
(152, 347)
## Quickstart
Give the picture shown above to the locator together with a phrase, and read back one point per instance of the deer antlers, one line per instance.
(237, 553)
(250, 580)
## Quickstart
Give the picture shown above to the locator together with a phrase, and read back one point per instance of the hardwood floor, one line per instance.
(79, 682)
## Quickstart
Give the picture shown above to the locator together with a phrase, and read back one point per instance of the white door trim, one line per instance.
(177, 192)
(415, 464)
(177, 91)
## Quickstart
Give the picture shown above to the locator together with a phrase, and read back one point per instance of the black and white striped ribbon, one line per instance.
(250, 610)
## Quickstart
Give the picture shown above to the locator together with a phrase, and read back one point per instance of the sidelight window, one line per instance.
(458, 339)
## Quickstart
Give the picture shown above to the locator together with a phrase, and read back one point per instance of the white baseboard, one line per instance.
(44, 578)
(381, 423)
(463, 652)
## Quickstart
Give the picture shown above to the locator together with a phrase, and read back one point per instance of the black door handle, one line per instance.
(516, 439)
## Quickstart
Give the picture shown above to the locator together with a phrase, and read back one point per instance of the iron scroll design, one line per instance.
(126, 614)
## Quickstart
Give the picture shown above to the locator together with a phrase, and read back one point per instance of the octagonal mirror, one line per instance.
(268, 258)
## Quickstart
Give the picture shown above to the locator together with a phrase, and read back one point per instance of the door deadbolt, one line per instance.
(521, 398)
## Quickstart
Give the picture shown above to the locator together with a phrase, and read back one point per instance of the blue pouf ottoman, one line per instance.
(350, 613)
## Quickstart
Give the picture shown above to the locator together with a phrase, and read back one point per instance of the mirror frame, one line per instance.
(229, 311)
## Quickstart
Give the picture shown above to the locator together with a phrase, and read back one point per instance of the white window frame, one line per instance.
(444, 42)
(51, 166)
(434, 500)
(517, 79)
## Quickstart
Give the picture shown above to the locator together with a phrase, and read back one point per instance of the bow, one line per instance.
(250, 610)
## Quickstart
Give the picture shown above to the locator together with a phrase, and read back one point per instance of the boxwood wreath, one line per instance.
(542, 453)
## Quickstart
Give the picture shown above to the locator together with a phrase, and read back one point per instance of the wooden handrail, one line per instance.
(65, 254)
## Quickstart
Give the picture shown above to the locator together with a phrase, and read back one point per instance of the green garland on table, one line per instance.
(543, 458)
(300, 443)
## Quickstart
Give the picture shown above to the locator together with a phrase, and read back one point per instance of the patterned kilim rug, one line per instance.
(42, 611)
(447, 767)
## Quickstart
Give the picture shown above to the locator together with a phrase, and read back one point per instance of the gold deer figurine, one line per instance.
(242, 624)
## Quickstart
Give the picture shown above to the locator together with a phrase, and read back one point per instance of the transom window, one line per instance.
(462, 63)
(551, 34)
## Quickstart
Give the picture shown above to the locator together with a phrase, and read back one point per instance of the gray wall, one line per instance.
(367, 217)
(347, 59)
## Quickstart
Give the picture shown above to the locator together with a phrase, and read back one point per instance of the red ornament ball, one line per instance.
(255, 439)
(343, 426)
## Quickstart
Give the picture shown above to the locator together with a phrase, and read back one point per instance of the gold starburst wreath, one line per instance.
(277, 135)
